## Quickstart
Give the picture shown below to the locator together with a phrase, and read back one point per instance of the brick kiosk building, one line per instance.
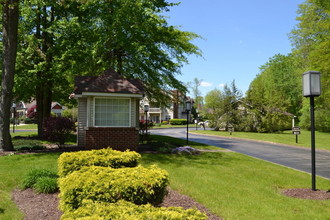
(108, 111)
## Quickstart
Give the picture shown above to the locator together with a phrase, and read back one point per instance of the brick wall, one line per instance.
(116, 138)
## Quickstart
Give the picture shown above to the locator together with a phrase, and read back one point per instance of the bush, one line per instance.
(164, 122)
(69, 162)
(46, 185)
(28, 121)
(32, 112)
(35, 179)
(58, 129)
(28, 147)
(178, 121)
(126, 210)
(143, 124)
(71, 113)
(138, 185)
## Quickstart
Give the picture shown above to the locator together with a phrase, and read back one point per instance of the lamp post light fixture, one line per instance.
(14, 111)
(312, 88)
(146, 109)
(188, 108)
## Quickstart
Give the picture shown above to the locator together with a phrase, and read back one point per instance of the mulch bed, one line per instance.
(307, 194)
(45, 206)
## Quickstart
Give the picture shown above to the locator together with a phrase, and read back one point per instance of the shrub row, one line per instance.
(114, 189)
(178, 121)
(138, 185)
(125, 210)
(69, 162)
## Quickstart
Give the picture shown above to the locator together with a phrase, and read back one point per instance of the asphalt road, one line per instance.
(289, 156)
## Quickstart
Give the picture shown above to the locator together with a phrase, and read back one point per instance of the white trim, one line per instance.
(102, 94)
(88, 102)
(130, 112)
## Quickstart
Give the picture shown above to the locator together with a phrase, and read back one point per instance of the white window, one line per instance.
(112, 112)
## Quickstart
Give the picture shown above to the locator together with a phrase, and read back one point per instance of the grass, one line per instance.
(235, 186)
(158, 143)
(231, 185)
(17, 140)
(25, 127)
(304, 139)
(12, 170)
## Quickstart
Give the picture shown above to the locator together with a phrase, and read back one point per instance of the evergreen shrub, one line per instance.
(125, 210)
(138, 185)
(69, 162)
(175, 121)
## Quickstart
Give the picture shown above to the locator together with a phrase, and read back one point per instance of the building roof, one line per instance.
(109, 82)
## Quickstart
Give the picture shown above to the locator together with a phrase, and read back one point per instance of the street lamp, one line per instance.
(14, 111)
(188, 108)
(146, 109)
(312, 88)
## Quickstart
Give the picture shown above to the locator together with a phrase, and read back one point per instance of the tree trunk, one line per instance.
(10, 41)
(44, 88)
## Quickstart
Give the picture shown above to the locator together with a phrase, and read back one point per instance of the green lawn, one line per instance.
(12, 169)
(25, 127)
(33, 141)
(231, 185)
(235, 186)
(304, 139)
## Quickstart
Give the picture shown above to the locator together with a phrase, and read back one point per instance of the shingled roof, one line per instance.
(109, 82)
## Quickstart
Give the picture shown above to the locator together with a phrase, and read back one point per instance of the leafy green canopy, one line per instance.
(85, 37)
(311, 40)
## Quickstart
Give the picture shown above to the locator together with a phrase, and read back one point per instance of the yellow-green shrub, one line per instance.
(123, 210)
(69, 162)
(138, 185)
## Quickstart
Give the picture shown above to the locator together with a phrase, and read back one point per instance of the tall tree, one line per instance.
(276, 92)
(196, 93)
(61, 39)
(312, 45)
(214, 108)
(232, 96)
(10, 39)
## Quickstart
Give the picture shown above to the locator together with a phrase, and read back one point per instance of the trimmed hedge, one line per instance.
(69, 162)
(178, 121)
(128, 211)
(138, 185)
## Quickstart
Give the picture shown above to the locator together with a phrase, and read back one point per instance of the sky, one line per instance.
(239, 36)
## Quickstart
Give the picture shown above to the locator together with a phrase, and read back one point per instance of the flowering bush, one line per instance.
(185, 150)
(58, 129)
(32, 113)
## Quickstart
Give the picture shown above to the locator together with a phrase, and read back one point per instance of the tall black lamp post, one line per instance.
(14, 114)
(312, 88)
(188, 108)
(146, 109)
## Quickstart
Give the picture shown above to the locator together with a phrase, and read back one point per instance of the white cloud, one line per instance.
(222, 85)
(206, 84)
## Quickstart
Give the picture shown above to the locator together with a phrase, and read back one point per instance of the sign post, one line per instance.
(230, 129)
(296, 131)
